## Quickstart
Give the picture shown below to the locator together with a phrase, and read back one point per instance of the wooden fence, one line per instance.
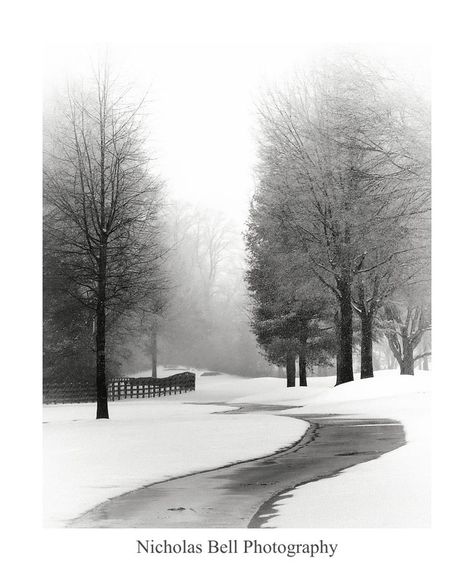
(148, 387)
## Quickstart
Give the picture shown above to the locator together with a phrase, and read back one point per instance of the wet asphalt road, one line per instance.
(243, 494)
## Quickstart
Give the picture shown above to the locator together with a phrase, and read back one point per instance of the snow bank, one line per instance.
(275, 391)
(391, 491)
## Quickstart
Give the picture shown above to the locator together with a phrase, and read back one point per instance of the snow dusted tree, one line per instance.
(101, 205)
(406, 319)
(400, 253)
(289, 311)
(405, 327)
(336, 149)
(373, 290)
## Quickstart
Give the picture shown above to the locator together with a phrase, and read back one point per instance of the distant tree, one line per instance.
(154, 312)
(405, 328)
(101, 204)
(424, 352)
(205, 324)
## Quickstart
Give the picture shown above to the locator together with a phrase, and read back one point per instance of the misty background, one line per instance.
(201, 127)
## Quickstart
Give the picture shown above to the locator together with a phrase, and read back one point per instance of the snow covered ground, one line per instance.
(88, 461)
(391, 491)
(147, 440)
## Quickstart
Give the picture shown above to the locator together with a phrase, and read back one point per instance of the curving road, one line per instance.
(244, 494)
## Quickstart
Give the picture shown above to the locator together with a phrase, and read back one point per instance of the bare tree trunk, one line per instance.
(154, 360)
(424, 363)
(102, 406)
(337, 324)
(376, 359)
(302, 368)
(290, 369)
(302, 355)
(345, 372)
(403, 352)
(407, 368)
(407, 364)
(366, 347)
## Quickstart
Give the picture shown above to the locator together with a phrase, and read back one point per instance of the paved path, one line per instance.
(243, 494)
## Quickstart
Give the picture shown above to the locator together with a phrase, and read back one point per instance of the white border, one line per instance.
(31, 24)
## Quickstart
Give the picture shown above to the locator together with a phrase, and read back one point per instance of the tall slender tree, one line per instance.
(101, 206)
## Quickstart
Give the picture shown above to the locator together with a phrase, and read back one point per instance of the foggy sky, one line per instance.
(201, 105)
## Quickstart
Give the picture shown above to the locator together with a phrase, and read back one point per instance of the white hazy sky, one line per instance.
(202, 118)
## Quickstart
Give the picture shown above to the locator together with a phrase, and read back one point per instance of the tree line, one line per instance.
(338, 235)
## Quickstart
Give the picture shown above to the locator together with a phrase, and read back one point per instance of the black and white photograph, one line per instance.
(238, 358)
(255, 325)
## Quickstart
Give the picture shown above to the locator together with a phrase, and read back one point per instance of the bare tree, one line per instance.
(405, 329)
(101, 206)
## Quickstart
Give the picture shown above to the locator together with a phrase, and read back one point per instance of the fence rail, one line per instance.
(148, 387)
